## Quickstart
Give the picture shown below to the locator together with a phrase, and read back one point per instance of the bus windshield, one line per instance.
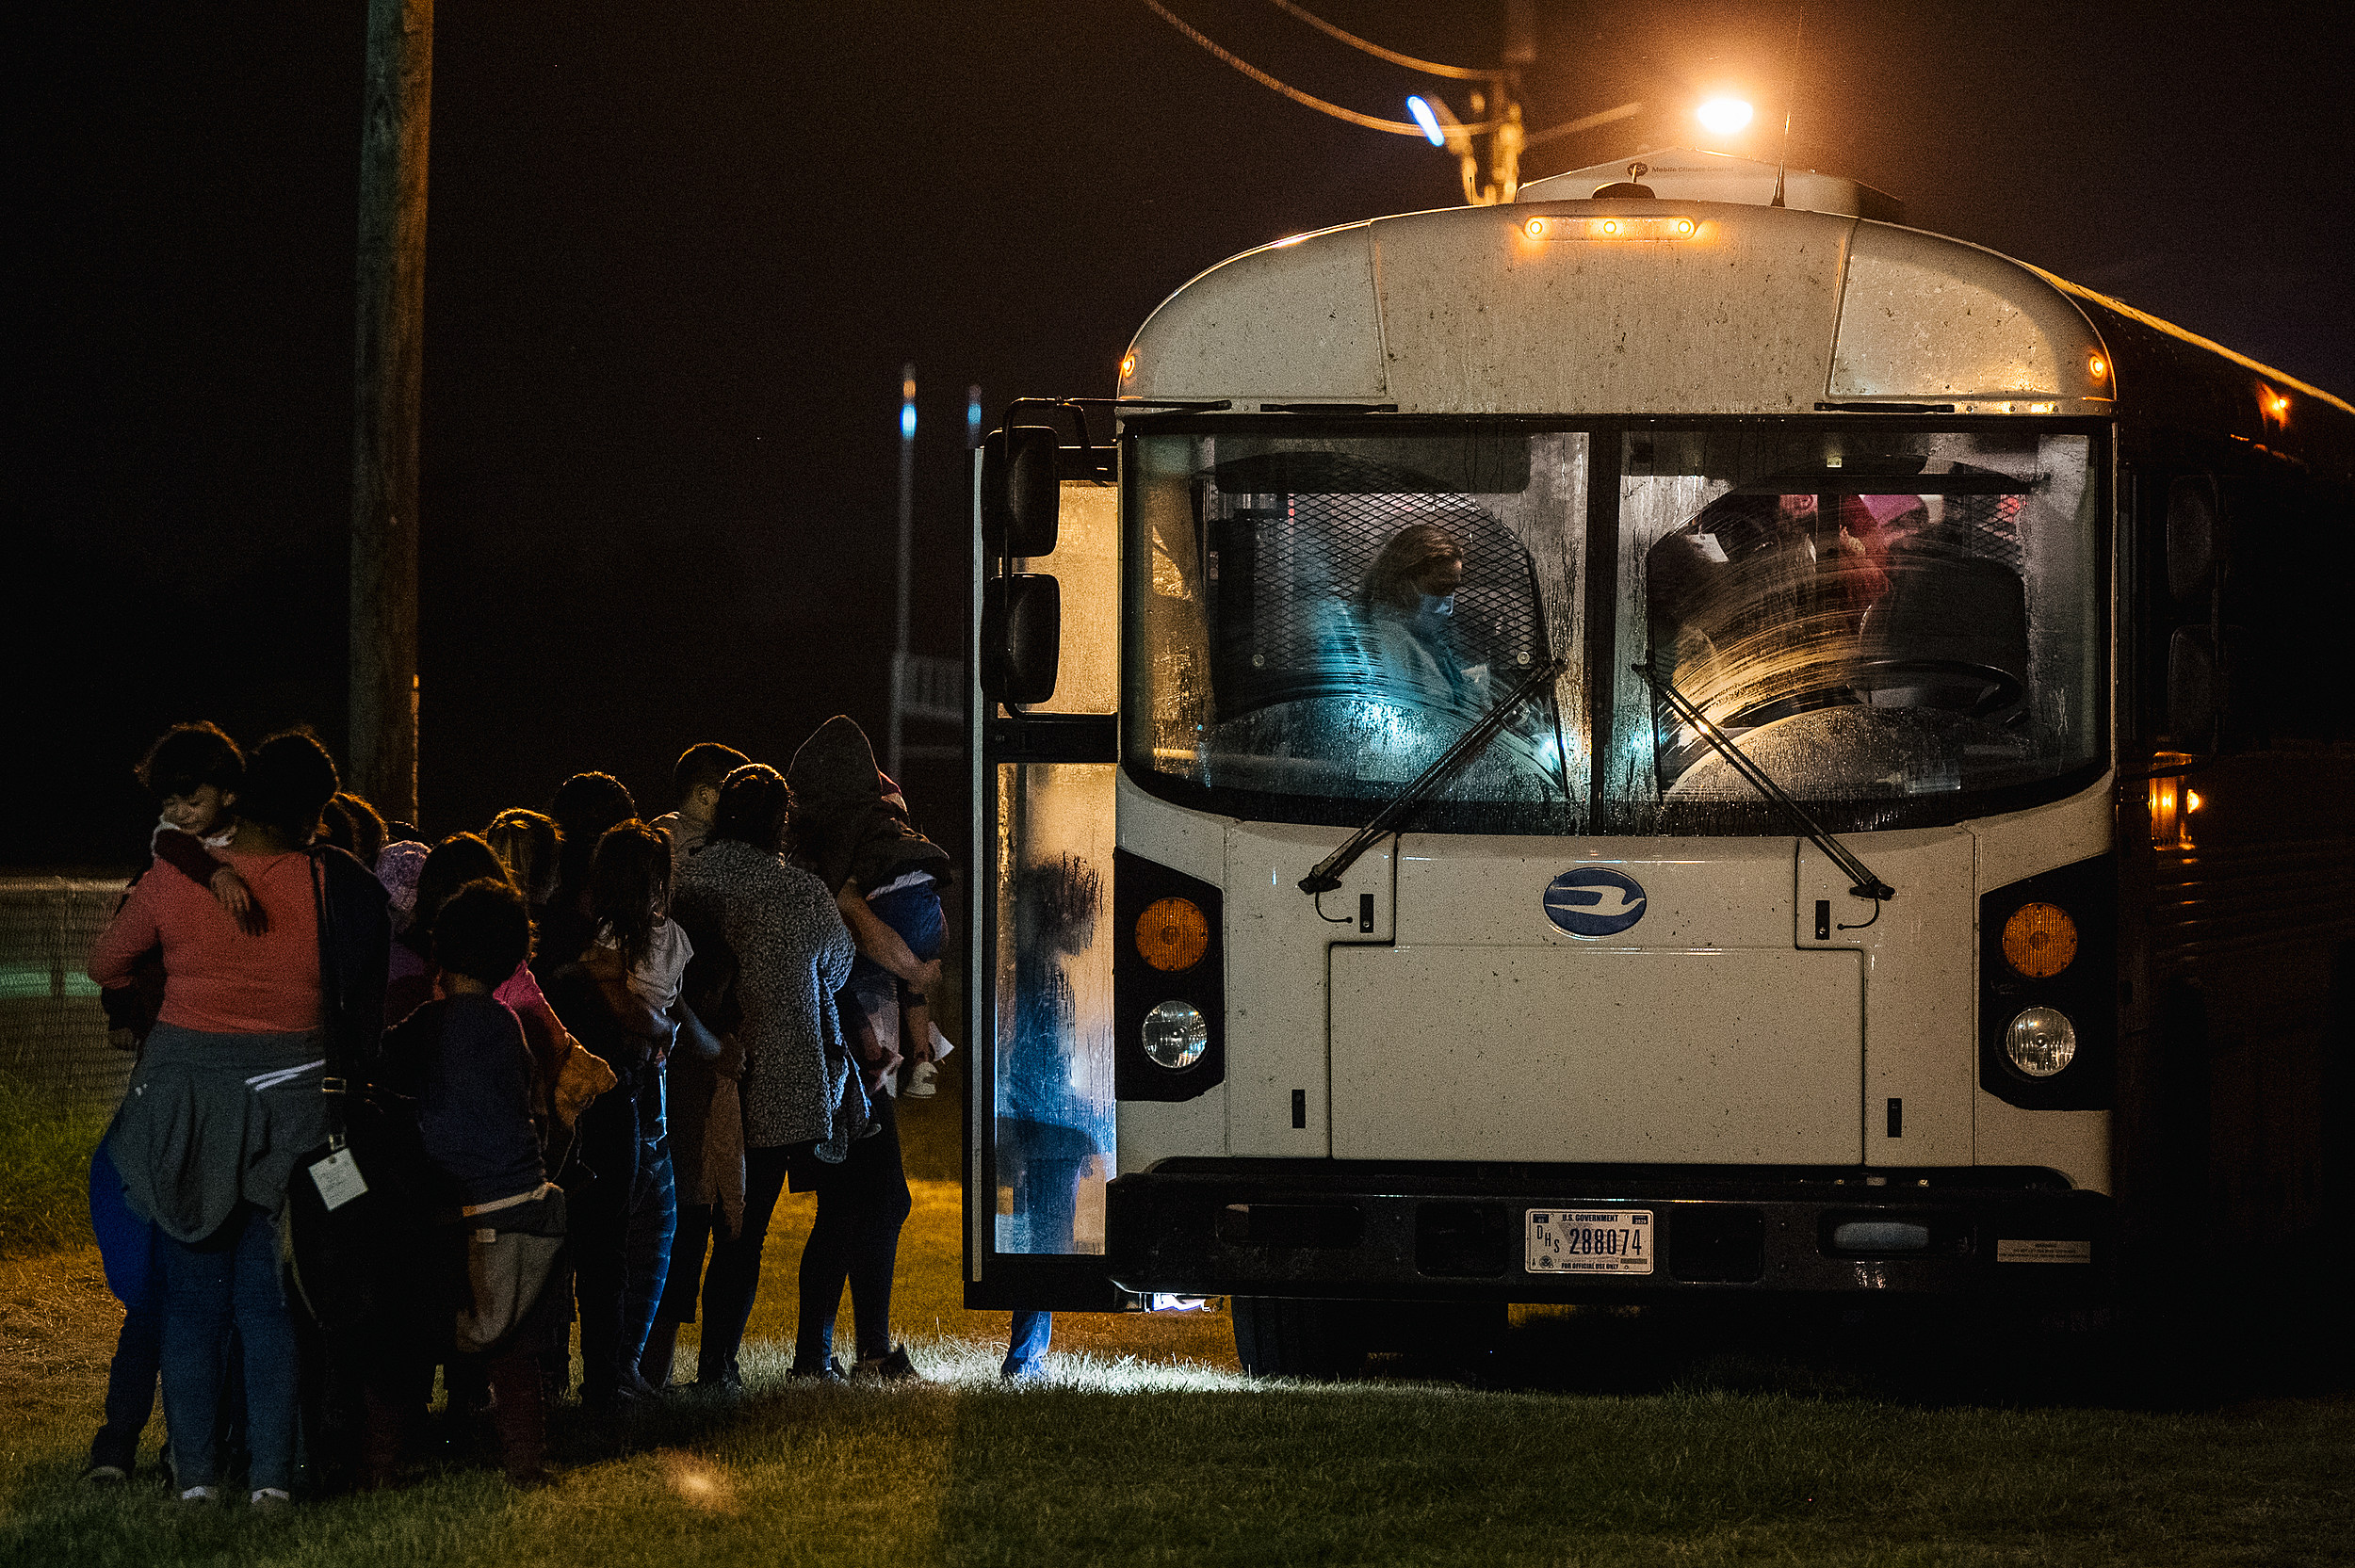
(1312, 621)
(1899, 625)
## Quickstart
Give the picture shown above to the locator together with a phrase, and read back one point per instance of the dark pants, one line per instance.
(733, 1277)
(686, 1281)
(862, 1203)
(599, 1241)
(229, 1283)
(131, 1379)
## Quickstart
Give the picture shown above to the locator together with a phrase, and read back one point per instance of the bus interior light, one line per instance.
(1175, 1035)
(2039, 1040)
(1173, 934)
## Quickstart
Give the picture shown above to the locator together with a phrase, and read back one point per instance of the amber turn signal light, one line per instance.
(2039, 940)
(1172, 935)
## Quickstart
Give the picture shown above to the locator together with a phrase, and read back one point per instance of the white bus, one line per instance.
(1672, 739)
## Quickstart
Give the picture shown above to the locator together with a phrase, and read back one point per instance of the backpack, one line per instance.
(343, 1256)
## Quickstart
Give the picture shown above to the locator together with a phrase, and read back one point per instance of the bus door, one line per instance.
(1039, 1134)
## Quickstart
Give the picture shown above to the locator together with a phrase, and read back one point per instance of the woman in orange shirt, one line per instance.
(226, 1097)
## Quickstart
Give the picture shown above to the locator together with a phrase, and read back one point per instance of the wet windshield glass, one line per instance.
(1900, 625)
(1316, 619)
(1876, 620)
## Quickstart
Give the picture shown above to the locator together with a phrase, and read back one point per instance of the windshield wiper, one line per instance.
(1326, 875)
(1866, 884)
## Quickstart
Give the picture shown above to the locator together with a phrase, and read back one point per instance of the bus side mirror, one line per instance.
(2192, 719)
(1021, 637)
(1021, 490)
(2195, 535)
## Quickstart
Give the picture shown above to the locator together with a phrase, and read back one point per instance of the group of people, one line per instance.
(401, 1106)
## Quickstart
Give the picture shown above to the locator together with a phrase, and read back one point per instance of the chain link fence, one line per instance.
(53, 1033)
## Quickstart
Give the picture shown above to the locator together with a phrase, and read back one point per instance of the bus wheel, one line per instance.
(1279, 1336)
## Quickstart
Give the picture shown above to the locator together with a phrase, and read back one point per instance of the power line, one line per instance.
(1461, 74)
(1605, 117)
(1395, 127)
(1504, 115)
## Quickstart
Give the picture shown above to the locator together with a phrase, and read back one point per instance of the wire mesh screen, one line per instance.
(1286, 569)
(53, 1034)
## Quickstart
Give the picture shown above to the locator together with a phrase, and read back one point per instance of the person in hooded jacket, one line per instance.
(885, 879)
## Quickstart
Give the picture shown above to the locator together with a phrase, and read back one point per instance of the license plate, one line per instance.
(1590, 1240)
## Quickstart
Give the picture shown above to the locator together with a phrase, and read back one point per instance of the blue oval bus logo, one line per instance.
(1594, 900)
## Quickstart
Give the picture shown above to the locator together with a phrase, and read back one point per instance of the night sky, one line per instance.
(679, 253)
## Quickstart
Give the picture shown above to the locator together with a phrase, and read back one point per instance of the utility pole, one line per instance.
(899, 671)
(388, 365)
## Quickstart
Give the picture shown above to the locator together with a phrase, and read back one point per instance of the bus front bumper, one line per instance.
(1474, 1232)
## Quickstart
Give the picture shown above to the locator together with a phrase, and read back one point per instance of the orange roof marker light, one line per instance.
(2098, 367)
(1612, 228)
(1129, 365)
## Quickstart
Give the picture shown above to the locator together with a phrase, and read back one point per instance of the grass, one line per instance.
(1624, 1440)
(44, 1171)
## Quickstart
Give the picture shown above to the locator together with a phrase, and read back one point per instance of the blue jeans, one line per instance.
(646, 1259)
(228, 1281)
(1027, 1345)
(915, 914)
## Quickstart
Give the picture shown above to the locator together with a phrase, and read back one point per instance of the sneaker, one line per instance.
(199, 1497)
(923, 1081)
(1024, 1372)
(894, 1366)
(271, 1499)
(831, 1372)
(104, 1475)
(621, 1399)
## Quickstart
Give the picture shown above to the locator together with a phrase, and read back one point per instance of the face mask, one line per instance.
(1439, 604)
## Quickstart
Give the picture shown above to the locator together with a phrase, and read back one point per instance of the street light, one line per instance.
(1429, 121)
(1724, 116)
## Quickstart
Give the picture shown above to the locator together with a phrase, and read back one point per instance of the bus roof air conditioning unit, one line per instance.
(1688, 174)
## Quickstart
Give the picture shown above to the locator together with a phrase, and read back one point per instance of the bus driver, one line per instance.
(1408, 596)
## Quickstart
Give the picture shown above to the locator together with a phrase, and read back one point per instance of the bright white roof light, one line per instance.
(1724, 116)
(1429, 121)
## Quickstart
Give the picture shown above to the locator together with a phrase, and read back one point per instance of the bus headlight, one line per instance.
(1175, 1035)
(2039, 1040)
